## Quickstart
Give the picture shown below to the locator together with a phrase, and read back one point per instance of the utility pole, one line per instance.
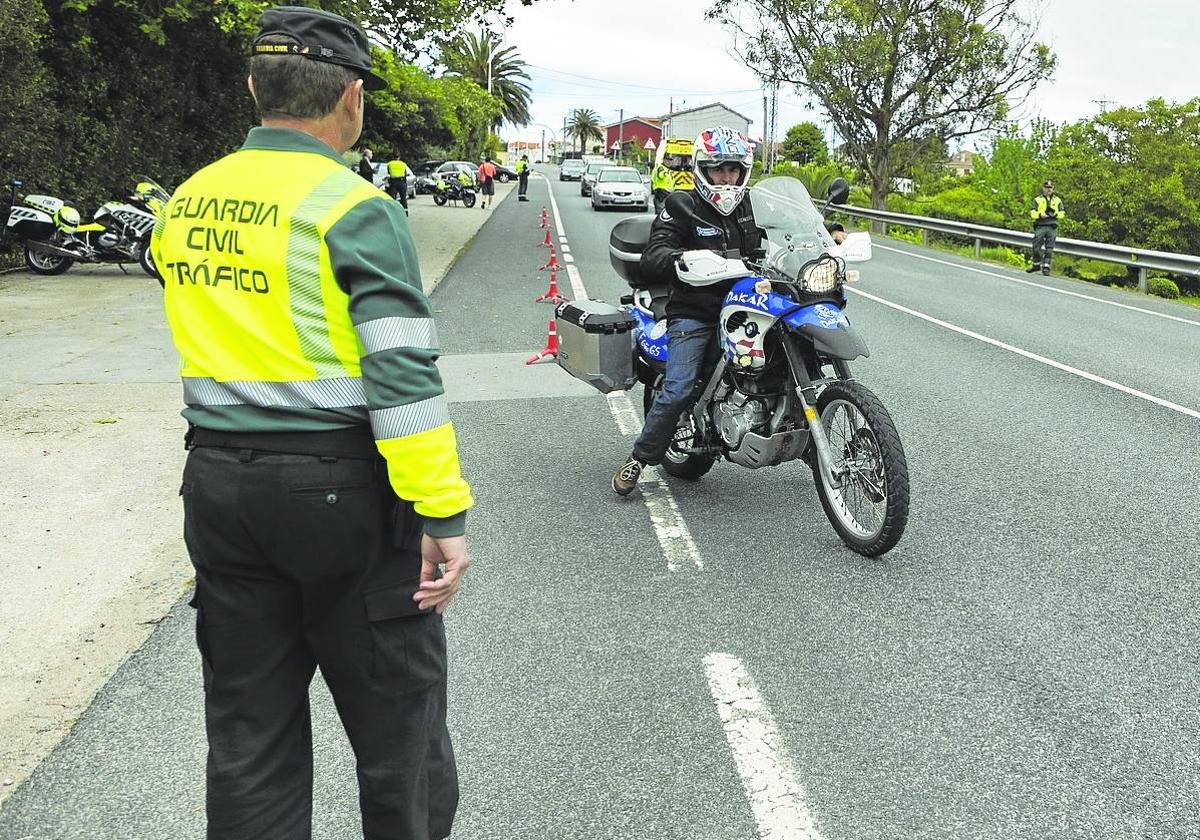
(774, 128)
(1104, 103)
(621, 134)
(766, 125)
(543, 160)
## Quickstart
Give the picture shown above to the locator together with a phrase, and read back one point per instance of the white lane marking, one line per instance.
(669, 526)
(624, 413)
(1091, 377)
(1042, 286)
(568, 258)
(674, 536)
(554, 208)
(566, 249)
(776, 798)
(576, 282)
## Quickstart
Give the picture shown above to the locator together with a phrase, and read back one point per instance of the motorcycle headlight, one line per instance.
(822, 274)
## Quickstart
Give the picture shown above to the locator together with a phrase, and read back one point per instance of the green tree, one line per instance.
(24, 107)
(805, 143)
(887, 71)
(472, 56)
(1009, 174)
(584, 124)
(1131, 176)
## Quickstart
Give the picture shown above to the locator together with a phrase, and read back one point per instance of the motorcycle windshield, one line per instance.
(794, 227)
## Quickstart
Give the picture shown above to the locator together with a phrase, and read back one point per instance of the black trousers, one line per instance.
(1043, 246)
(398, 189)
(304, 561)
(522, 184)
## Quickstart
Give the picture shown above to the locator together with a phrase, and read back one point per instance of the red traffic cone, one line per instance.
(545, 223)
(552, 294)
(546, 243)
(550, 351)
(553, 265)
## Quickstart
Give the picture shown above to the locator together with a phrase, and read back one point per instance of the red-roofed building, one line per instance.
(634, 131)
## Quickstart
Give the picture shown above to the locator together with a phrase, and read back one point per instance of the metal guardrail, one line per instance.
(1139, 258)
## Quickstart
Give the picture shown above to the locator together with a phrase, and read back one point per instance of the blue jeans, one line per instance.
(687, 346)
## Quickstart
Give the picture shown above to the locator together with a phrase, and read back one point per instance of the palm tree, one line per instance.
(470, 58)
(584, 124)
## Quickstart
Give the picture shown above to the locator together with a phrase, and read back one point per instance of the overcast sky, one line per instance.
(638, 54)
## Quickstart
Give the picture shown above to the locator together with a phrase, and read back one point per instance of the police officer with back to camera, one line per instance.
(1047, 209)
(522, 168)
(720, 219)
(324, 507)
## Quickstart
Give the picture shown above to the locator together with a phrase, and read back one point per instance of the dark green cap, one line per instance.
(322, 36)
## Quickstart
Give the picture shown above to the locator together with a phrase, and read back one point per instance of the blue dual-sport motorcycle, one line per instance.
(785, 345)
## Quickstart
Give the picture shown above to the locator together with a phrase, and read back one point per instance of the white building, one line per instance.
(687, 124)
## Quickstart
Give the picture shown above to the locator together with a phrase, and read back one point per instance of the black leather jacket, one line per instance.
(707, 229)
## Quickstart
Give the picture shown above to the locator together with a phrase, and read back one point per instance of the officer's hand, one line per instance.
(450, 552)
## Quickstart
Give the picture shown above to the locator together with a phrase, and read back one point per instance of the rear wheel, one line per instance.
(676, 462)
(870, 508)
(439, 199)
(47, 264)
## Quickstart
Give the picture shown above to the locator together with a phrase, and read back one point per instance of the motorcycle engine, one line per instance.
(108, 240)
(736, 416)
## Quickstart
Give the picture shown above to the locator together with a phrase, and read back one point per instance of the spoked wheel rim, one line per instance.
(861, 503)
(44, 261)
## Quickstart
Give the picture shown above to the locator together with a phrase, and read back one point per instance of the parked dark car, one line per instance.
(504, 174)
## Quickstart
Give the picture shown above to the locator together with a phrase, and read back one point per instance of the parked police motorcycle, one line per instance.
(457, 188)
(781, 388)
(55, 237)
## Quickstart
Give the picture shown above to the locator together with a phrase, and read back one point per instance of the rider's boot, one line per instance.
(625, 479)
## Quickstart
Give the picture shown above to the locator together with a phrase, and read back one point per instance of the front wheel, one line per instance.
(40, 262)
(146, 261)
(870, 508)
(439, 199)
(468, 199)
(677, 463)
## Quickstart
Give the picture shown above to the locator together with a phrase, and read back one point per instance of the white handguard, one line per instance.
(856, 247)
(704, 268)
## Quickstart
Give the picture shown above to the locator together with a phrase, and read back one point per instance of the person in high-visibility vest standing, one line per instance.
(522, 168)
(674, 173)
(324, 507)
(398, 181)
(1047, 209)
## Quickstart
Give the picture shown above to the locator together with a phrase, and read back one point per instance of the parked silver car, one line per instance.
(620, 186)
(589, 177)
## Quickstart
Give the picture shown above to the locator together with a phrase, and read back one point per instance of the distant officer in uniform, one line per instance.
(522, 178)
(398, 181)
(674, 173)
(1047, 209)
(324, 507)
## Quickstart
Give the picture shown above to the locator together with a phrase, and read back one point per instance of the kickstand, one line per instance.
(122, 267)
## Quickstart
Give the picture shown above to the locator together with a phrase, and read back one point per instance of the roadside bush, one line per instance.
(1163, 287)
(1004, 255)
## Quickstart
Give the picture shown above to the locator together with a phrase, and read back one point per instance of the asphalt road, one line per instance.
(1023, 665)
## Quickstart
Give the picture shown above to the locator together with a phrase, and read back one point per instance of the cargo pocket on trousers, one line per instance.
(202, 642)
(408, 645)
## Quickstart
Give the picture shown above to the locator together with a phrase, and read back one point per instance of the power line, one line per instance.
(642, 87)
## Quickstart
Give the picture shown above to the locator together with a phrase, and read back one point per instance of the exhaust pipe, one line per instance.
(52, 250)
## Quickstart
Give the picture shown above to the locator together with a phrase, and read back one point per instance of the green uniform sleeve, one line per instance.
(375, 263)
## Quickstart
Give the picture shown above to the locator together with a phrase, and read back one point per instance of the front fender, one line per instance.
(828, 329)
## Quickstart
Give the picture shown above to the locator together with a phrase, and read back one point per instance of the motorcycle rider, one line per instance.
(721, 221)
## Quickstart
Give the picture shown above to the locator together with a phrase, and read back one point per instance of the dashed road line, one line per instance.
(1091, 377)
(777, 799)
(672, 532)
(1041, 286)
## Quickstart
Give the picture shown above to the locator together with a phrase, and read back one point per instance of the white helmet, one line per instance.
(713, 148)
